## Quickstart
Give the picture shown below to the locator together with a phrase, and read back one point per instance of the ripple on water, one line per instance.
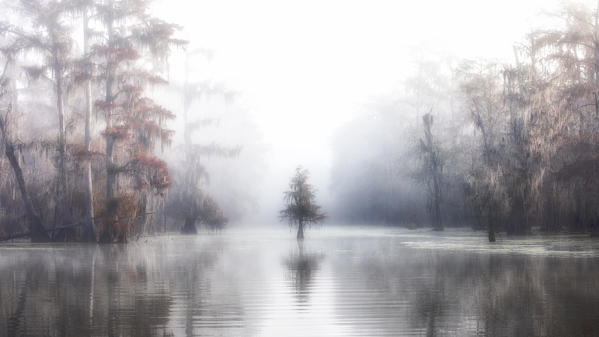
(340, 282)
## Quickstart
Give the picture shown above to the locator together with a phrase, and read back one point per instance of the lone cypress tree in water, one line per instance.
(300, 207)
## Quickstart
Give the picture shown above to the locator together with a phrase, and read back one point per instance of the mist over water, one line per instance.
(307, 72)
(340, 282)
(299, 168)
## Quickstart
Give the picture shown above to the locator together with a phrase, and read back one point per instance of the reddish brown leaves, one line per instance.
(117, 133)
(115, 217)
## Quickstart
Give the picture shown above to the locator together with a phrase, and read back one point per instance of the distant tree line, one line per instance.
(80, 137)
(512, 147)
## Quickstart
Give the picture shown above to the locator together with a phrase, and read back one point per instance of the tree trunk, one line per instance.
(141, 216)
(300, 231)
(189, 227)
(37, 231)
(61, 202)
(110, 173)
(89, 187)
(491, 233)
(438, 225)
(491, 227)
(106, 232)
(434, 163)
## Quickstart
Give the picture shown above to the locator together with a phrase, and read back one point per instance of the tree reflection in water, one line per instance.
(335, 284)
(112, 290)
(302, 265)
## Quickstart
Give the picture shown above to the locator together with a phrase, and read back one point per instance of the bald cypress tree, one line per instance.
(37, 232)
(135, 124)
(45, 31)
(432, 168)
(125, 48)
(300, 204)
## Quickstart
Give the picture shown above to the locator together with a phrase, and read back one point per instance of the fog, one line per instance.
(163, 163)
(339, 88)
(305, 71)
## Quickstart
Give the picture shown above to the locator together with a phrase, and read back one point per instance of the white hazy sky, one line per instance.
(306, 67)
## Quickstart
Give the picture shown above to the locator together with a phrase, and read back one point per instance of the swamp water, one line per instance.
(340, 282)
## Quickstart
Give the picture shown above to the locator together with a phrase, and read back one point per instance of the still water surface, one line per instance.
(341, 282)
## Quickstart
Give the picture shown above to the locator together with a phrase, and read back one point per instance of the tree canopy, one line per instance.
(300, 205)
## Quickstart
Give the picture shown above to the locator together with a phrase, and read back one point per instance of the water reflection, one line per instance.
(302, 265)
(98, 291)
(339, 283)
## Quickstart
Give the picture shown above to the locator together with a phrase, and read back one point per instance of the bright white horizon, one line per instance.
(304, 68)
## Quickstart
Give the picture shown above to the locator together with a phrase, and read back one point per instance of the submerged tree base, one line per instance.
(189, 227)
(300, 233)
